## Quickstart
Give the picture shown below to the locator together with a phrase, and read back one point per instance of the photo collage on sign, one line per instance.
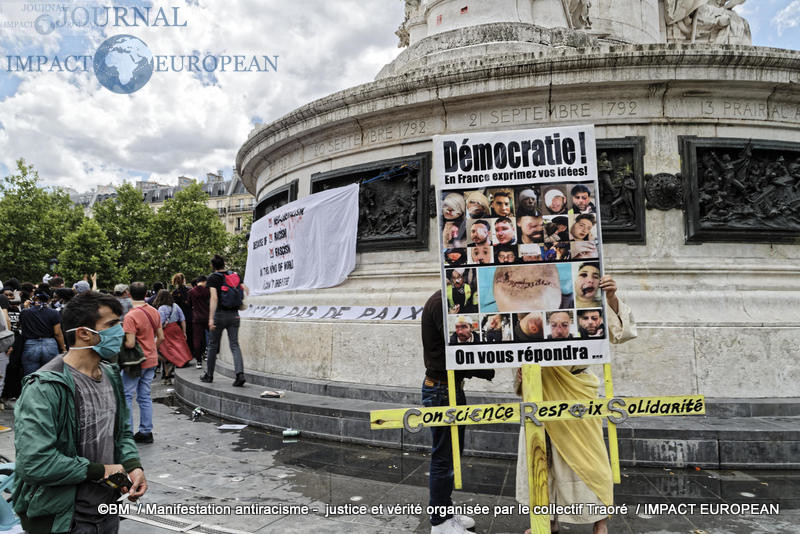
(522, 263)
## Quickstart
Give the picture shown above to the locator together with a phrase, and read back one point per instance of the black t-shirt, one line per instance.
(215, 280)
(38, 322)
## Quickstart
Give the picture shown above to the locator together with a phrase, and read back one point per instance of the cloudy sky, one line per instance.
(79, 134)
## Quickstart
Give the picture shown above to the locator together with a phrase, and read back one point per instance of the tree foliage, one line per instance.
(124, 241)
(34, 223)
(236, 252)
(185, 234)
(87, 250)
(127, 222)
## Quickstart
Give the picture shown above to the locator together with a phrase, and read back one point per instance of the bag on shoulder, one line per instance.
(130, 359)
(231, 292)
(6, 335)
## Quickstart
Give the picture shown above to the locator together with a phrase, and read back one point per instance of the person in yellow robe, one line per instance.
(579, 470)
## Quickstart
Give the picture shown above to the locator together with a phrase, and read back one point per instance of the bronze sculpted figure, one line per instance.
(617, 189)
(747, 190)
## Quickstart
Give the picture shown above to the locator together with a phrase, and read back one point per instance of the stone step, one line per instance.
(327, 410)
(402, 396)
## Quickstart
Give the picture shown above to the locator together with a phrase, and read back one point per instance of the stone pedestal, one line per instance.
(719, 319)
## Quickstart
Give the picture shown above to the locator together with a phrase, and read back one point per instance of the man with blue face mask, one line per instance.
(72, 429)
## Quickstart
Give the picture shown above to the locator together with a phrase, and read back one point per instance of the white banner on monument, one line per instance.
(521, 248)
(334, 313)
(306, 244)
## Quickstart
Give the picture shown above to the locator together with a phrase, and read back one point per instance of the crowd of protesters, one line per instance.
(172, 326)
(57, 342)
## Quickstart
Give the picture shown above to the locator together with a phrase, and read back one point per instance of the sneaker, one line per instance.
(451, 526)
(466, 521)
(143, 438)
(207, 378)
(4, 429)
(239, 382)
(199, 364)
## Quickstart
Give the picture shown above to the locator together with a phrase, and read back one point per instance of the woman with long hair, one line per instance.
(180, 296)
(173, 350)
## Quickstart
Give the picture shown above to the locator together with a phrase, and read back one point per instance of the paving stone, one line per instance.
(208, 465)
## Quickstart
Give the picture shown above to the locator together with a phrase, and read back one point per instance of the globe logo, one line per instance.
(123, 64)
(44, 24)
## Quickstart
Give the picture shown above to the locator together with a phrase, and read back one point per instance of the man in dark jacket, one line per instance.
(435, 393)
(199, 297)
(72, 429)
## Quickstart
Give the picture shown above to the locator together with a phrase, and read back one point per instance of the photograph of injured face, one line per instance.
(587, 285)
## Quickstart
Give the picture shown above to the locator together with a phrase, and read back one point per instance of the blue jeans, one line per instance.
(38, 352)
(441, 477)
(225, 320)
(141, 386)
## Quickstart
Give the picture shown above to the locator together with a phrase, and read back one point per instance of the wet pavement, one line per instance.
(232, 472)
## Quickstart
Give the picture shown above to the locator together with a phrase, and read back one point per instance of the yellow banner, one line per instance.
(616, 410)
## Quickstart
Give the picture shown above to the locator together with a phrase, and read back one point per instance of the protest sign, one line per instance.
(521, 253)
(306, 244)
(616, 409)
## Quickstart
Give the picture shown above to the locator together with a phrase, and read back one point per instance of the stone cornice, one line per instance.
(638, 64)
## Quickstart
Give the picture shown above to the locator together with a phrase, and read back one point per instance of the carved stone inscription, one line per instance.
(541, 113)
(393, 203)
(370, 135)
(333, 145)
(623, 109)
(400, 130)
(748, 109)
(742, 189)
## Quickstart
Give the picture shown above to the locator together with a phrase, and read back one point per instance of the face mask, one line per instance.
(110, 341)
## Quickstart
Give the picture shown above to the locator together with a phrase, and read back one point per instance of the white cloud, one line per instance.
(788, 17)
(79, 134)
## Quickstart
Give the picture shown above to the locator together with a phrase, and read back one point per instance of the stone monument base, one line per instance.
(735, 433)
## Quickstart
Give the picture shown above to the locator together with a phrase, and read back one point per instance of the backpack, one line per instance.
(6, 335)
(231, 292)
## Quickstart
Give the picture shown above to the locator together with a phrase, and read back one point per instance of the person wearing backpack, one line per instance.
(227, 295)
